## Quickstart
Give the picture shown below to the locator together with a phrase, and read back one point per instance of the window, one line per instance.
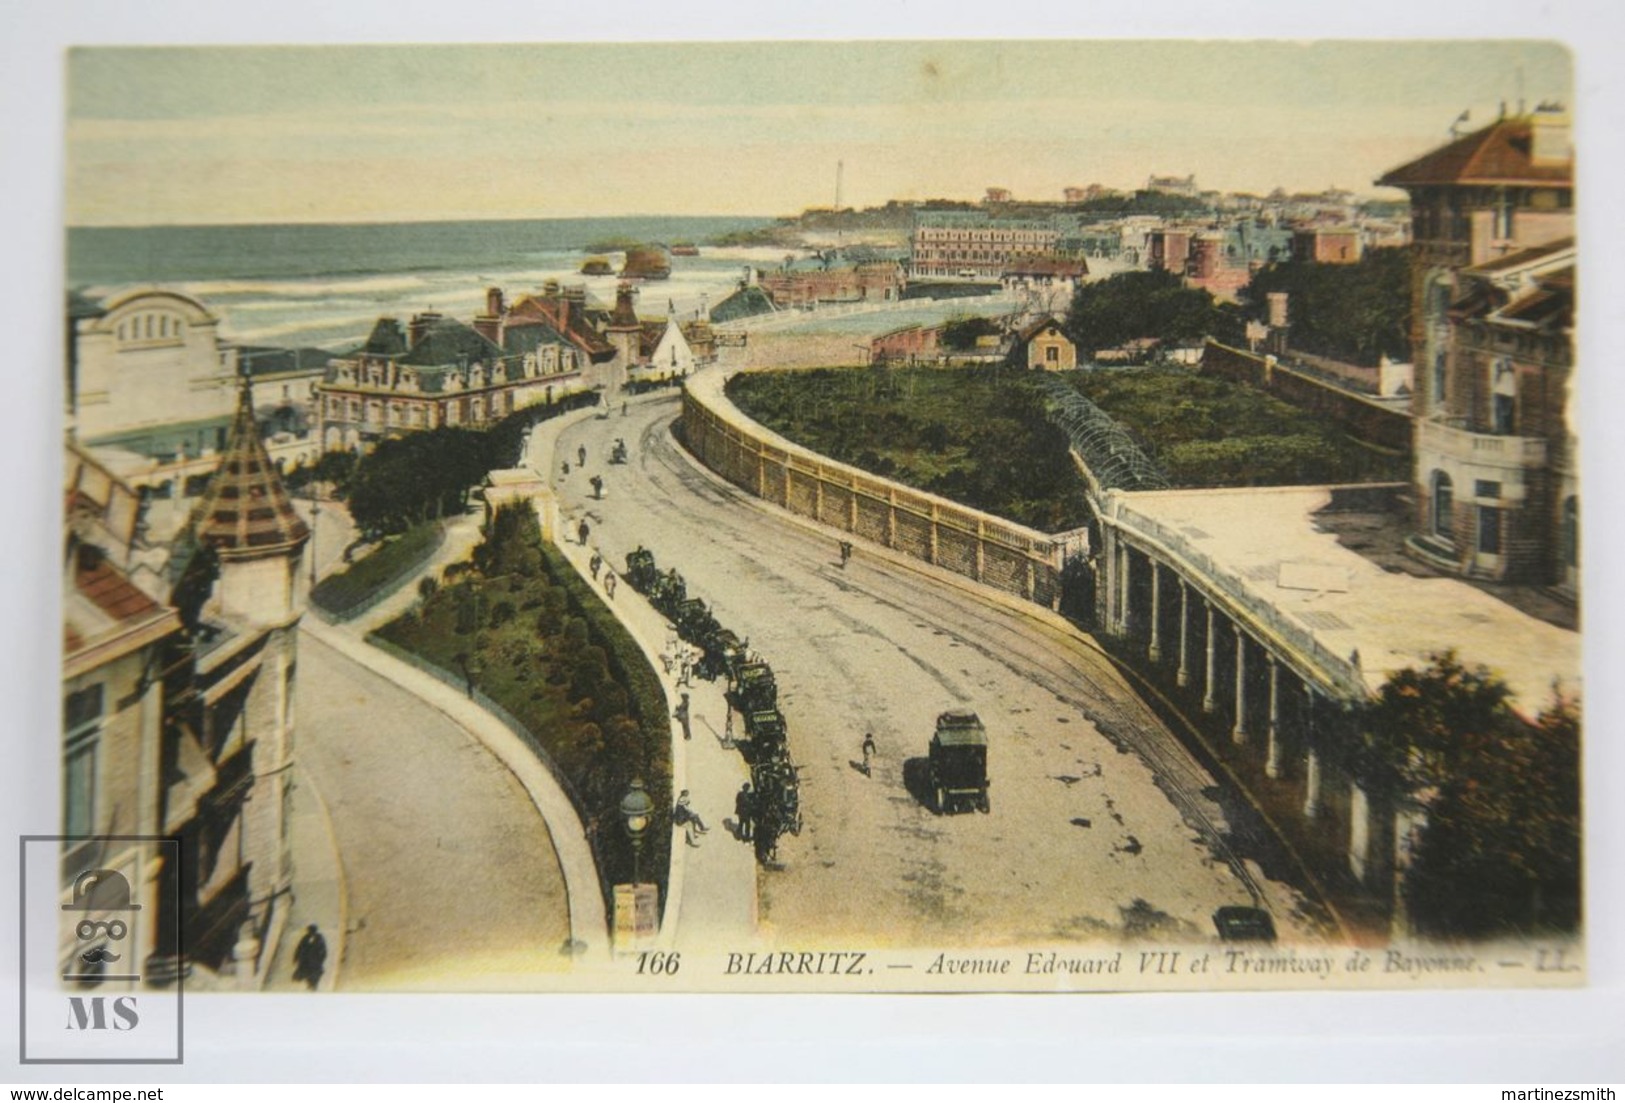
(1486, 488)
(1504, 410)
(1052, 355)
(82, 724)
(1489, 530)
(1443, 506)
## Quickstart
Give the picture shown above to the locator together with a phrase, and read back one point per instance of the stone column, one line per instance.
(1124, 575)
(1272, 734)
(1209, 702)
(1311, 757)
(1154, 651)
(1359, 831)
(1238, 732)
(1183, 676)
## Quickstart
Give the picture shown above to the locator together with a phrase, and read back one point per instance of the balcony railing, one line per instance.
(1490, 449)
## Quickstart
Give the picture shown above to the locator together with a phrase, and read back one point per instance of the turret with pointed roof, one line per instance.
(247, 520)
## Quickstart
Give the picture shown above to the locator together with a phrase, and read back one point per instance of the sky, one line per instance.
(388, 133)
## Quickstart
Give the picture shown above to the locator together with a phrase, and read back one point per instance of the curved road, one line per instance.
(1101, 823)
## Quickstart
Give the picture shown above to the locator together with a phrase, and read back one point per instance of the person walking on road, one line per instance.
(846, 553)
(745, 812)
(581, 456)
(582, 532)
(594, 564)
(869, 751)
(682, 716)
(310, 957)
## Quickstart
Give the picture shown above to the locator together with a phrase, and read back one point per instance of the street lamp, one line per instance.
(636, 809)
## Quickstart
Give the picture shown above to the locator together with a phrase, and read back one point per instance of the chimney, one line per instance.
(1549, 136)
(1278, 311)
(493, 301)
(419, 326)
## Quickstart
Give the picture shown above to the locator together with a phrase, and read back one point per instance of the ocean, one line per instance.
(325, 285)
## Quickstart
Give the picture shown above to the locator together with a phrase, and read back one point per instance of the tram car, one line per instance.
(958, 761)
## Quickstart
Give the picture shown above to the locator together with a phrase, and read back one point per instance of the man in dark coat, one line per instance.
(310, 957)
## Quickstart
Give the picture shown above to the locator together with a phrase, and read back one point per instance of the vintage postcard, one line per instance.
(1030, 516)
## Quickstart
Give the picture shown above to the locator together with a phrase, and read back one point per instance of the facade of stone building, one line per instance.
(1492, 260)
(179, 686)
(973, 243)
(441, 372)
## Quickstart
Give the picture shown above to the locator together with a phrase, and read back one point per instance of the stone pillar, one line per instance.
(1272, 734)
(818, 498)
(1183, 676)
(1154, 651)
(852, 508)
(1359, 832)
(1209, 701)
(891, 517)
(1238, 732)
(1125, 567)
(981, 548)
(1311, 757)
(932, 547)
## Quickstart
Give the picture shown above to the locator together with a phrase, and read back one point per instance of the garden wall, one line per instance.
(989, 549)
(1363, 418)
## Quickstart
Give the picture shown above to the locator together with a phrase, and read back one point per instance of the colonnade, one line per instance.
(1285, 725)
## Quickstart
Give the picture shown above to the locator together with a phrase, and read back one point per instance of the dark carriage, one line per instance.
(722, 653)
(767, 732)
(959, 762)
(695, 623)
(754, 688)
(641, 572)
(778, 803)
(668, 592)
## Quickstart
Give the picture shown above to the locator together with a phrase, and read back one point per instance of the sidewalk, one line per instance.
(711, 891)
(319, 894)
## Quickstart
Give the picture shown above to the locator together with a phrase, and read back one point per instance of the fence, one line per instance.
(383, 590)
(989, 549)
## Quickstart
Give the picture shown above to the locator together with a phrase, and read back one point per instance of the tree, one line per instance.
(1154, 303)
(1354, 312)
(1500, 849)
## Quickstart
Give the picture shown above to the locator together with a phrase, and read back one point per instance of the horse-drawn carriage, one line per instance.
(722, 653)
(641, 571)
(754, 688)
(778, 804)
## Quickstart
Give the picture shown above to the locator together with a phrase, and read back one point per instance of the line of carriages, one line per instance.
(774, 807)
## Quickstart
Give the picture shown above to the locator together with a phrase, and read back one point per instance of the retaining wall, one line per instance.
(980, 546)
(1364, 418)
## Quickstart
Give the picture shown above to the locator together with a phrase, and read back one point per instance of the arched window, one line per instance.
(1443, 506)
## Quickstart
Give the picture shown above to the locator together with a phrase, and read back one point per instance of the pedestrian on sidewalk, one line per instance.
(593, 564)
(581, 456)
(869, 752)
(682, 716)
(609, 585)
(310, 957)
(745, 812)
(582, 532)
(684, 816)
